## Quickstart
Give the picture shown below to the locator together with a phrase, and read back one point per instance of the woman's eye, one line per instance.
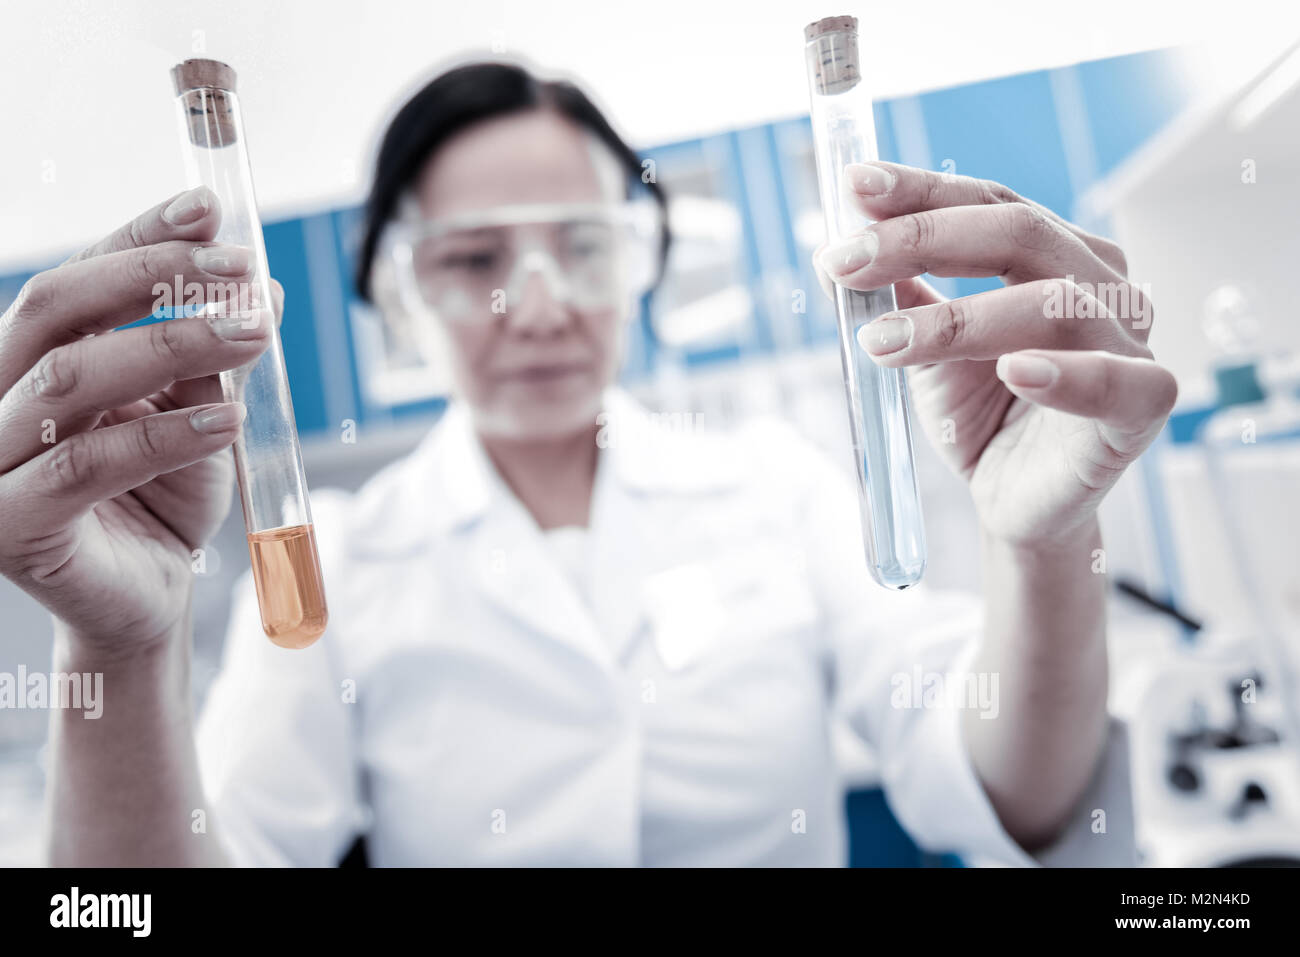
(473, 262)
(589, 244)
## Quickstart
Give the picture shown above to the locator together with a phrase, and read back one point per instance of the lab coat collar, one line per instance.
(667, 452)
(448, 483)
(644, 452)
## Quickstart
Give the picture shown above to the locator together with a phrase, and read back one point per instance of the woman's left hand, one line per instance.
(1039, 394)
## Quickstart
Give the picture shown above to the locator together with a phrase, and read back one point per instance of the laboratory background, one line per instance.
(1171, 130)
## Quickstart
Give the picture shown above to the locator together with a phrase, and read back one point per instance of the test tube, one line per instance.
(268, 459)
(844, 133)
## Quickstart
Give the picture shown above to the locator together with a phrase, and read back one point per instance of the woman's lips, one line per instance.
(547, 372)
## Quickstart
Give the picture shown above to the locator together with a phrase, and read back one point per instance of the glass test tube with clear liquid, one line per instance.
(268, 459)
(844, 133)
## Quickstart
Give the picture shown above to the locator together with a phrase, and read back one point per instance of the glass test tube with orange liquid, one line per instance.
(268, 459)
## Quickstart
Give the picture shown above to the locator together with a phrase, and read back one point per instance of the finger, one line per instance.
(1014, 242)
(915, 292)
(188, 392)
(1129, 397)
(908, 292)
(194, 214)
(68, 390)
(277, 302)
(1123, 301)
(194, 498)
(68, 303)
(909, 190)
(885, 190)
(989, 324)
(47, 492)
(823, 280)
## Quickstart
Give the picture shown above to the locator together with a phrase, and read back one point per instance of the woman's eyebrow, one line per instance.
(472, 232)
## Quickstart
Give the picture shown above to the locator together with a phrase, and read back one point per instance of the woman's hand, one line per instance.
(1038, 394)
(108, 477)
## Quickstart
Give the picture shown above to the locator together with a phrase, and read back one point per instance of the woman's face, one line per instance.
(529, 366)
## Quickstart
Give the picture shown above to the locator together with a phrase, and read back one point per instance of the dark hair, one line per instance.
(457, 99)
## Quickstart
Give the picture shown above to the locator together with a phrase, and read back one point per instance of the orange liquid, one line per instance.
(290, 586)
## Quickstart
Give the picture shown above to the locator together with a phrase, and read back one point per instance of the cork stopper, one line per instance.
(830, 25)
(833, 54)
(206, 90)
(198, 74)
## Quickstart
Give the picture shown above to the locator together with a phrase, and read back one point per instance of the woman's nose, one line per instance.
(536, 307)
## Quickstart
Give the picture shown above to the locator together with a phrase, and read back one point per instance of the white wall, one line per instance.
(88, 131)
(1204, 227)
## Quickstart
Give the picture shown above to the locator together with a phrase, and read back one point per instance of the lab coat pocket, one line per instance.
(731, 604)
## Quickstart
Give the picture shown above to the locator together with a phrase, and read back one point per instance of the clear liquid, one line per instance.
(290, 585)
(892, 524)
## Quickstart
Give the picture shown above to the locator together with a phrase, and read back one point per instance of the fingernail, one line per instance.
(241, 326)
(889, 333)
(850, 255)
(223, 260)
(1027, 372)
(218, 418)
(870, 180)
(188, 207)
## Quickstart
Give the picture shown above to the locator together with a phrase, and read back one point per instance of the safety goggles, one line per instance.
(477, 266)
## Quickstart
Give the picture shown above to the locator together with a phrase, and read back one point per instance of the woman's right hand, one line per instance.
(108, 477)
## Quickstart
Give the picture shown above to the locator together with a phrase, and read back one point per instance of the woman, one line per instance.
(559, 635)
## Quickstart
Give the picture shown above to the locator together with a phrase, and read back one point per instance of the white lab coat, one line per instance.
(466, 707)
